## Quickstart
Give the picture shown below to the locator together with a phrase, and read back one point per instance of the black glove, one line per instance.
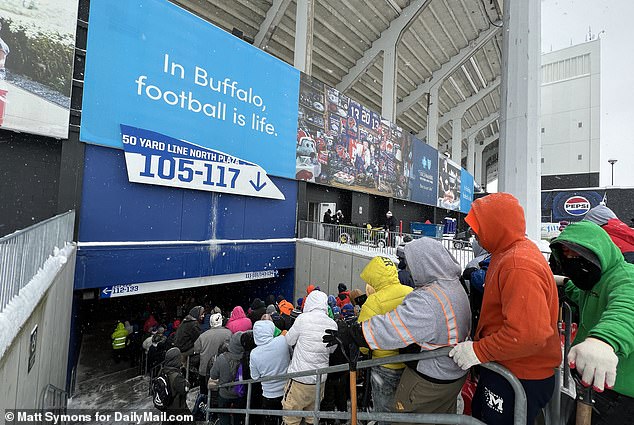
(466, 274)
(346, 335)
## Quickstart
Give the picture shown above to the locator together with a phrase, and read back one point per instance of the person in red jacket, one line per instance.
(344, 295)
(518, 319)
(619, 232)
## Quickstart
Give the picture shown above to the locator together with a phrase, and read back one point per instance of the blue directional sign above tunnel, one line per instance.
(155, 158)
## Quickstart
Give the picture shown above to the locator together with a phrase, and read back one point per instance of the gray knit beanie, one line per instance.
(600, 215)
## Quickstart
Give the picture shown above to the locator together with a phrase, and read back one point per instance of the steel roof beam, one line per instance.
(273, 17)
(446, 69)
(473, 130)
(387, 38)
(395, 6)
(460, 109)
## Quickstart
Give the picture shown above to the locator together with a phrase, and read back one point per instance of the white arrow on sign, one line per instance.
(106, 291)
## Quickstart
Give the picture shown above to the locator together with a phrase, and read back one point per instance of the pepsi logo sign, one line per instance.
(577, 205)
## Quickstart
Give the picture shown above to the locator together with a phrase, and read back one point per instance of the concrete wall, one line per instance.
(326, 268)
(21, 388)
(570, 110)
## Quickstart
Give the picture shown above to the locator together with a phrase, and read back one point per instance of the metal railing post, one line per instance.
(207, 413)
(520, 406)
(246, 419)
(187, 370)
(317, 399)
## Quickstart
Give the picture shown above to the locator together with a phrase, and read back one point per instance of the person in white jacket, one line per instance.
(310, 353)
(271, 357)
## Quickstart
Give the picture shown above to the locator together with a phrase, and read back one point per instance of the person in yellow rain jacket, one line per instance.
(381, 274)
(119, 341)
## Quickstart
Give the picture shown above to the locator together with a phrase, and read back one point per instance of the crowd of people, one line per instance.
(502, 308)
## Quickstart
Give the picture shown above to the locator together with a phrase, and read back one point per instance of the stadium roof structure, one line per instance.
(445, 53)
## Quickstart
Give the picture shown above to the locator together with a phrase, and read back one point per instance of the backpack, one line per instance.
(163, 395)
(237, 390)
(200, 408)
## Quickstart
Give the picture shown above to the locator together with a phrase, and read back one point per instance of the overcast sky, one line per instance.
(566, 21)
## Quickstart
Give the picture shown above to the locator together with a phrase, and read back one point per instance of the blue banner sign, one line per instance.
(157, 159)
(202, 84)
(466, 191)
(424, 173)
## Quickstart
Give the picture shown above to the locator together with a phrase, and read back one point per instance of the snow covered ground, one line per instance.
(19, 309)
(123, 391)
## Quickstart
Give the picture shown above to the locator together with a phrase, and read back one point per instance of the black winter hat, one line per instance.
(257, 303)
(342, 287)
(196, 312)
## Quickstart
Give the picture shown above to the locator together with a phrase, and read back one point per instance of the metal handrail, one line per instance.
(376, 240)
(60, 399)
(24, 252)
(520, 395)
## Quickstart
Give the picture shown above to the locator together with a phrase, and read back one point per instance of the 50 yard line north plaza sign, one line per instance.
(154, 68)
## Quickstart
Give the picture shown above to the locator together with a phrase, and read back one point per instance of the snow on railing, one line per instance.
(25, 251)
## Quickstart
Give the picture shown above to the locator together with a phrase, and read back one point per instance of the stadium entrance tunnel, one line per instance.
(92, 357)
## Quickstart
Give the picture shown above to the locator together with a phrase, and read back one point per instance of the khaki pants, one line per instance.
(298, 396)
(416, 394)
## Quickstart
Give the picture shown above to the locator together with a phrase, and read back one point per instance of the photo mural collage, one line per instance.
(341, 143)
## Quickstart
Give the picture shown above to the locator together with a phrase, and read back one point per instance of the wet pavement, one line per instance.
(105, 385)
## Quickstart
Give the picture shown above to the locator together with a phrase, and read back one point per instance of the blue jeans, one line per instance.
(384, 384)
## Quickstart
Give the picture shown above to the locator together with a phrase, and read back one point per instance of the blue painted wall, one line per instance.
(114, 210)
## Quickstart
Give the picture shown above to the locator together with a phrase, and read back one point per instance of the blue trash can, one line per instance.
(424, 229)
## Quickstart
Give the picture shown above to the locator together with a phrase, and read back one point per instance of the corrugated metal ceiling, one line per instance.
(345, 29)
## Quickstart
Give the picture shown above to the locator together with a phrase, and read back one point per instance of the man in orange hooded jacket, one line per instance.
(518, 322)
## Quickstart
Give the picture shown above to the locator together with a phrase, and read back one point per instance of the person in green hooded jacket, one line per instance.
(602, 285)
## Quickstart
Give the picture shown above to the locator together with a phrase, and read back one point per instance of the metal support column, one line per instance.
(432, 118)
(388, 92)
(456, 140)
(303, 58)
(520, 142)
(477, 172)
(471, 156)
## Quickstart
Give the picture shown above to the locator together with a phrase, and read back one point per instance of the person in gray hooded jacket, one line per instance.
(207, 346)
(224, 371)
(177, 383)
(436, 314)
(270, 357)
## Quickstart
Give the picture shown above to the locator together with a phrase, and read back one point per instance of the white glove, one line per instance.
(464, 356)
(561, 280)
(596, 362)
(212, 384)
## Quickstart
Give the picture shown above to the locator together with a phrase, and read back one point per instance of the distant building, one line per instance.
(570, 116)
